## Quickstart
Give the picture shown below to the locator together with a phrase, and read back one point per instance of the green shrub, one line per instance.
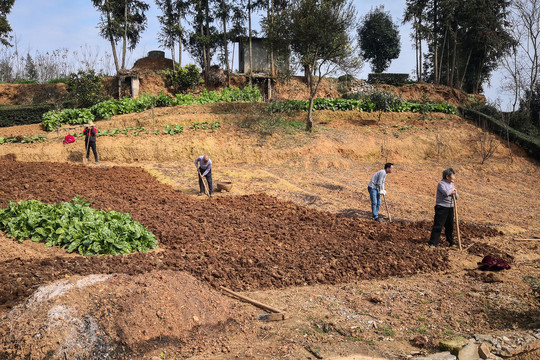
(76, 227)
(347, 78)
(183, 78)
(85, 88)
(377, 101)
(384, 101)
(106, 109)
(13, 115)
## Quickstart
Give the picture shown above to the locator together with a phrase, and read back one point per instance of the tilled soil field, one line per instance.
(245, 243)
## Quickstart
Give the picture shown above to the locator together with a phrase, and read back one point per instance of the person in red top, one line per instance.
(90, 134)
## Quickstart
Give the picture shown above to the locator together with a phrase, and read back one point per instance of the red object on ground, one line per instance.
(69, 139)
(491, 263)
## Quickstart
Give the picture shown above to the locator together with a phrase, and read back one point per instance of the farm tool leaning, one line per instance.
(86, 150)
(457, 221)
(387, 211)
(205, 183)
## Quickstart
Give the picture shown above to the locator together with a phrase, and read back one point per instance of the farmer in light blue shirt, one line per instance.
(204, 168)
(376, 189)
(444, 209)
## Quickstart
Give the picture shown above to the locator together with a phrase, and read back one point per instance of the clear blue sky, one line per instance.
(57, 24)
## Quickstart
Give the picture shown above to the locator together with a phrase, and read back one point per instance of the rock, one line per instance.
(469, 352)
(453, 345)
(438, 356)
(485, 338)
(483, 351)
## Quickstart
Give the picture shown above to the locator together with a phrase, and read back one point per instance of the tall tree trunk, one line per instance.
(180, 43)
(111, 39)
(442, 56)
(465, 70)
(204, 69)
(421, 59)
(124, 41)
(225, 44)
(309, 121)
(271, 17)
(207, 28)
(478, 81)
(172, 57)
(448, 63)
(309, 80)
(416, 50)
(453, 67)
(250, 45)
(435, 43)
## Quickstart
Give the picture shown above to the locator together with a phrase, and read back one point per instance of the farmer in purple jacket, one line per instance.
(444, 209)
(204, 168)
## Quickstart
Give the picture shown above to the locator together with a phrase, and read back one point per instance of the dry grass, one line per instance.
(340, 138)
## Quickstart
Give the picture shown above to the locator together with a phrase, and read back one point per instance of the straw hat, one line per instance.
(90, 124)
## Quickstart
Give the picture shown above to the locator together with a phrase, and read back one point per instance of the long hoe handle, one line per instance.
(387, 211)
(457, 221)
(206, 191)
(251, 301)
(86, 149)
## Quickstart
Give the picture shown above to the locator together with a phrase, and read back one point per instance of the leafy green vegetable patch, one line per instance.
(75, 226)
(26, 139)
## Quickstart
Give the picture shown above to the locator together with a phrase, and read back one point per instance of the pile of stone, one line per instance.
(359, 86)
(486, 347)
(512, 344)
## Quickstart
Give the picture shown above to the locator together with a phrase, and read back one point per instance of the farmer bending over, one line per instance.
(204, 168)
(376, 189)
(90, 134)
(444, 209)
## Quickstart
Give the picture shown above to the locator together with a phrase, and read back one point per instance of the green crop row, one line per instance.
(75, 226)
(26, 139)
(106, 109)
(135, 131)
(289, 106)
(13, 115)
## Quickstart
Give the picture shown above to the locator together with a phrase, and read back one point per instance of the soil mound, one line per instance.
(152, 64)
(99, 316)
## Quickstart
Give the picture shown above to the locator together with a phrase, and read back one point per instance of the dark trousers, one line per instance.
(91, 144)
(444, 216)
(208, 179)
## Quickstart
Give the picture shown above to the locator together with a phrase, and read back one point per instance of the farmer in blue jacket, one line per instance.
(444, 209)
(204, 168)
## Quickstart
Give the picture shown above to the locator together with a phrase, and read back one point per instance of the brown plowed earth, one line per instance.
(245, 242)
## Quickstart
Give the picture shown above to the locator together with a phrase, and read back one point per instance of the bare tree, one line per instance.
(486, 145)
(522, 64)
